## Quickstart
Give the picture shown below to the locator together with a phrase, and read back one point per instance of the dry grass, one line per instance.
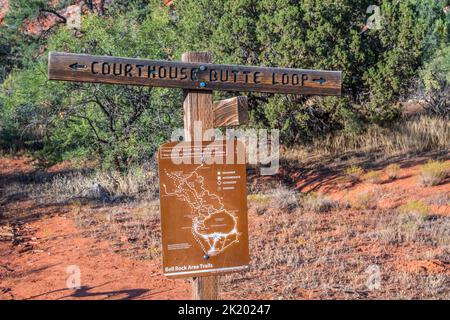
(317, 202)
(295, 260)
(354, 173)
(418, 134)
(366, 200)
(392, 171)
(136, 185)
(374, 177)
(415, 207)
(440, 199)
(123, 208)
(296, 253)
(260, 202)
(134, 229)
(433, 173)
(283, 199)
(407, 136)
(409, 227)
(280, 198)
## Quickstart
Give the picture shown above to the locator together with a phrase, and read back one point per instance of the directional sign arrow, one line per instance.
(320, 80)
(76, 66)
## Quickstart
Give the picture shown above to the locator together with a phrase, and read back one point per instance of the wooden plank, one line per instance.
(198, 106)
(231, 112)
(196, 75)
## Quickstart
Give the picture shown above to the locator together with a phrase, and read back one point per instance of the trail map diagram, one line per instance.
(203, 205)
(214, 227)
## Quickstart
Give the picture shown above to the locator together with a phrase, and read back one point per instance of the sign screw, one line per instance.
(202, 84)
(202, 68)
(206, 257)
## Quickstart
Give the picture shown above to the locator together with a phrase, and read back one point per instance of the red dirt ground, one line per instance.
(37, 269)
(392, 194)
(41, 272)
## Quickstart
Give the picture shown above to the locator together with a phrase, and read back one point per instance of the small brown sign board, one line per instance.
(200, 76)
(203, 202)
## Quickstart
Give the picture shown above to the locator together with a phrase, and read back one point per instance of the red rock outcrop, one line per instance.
(3, 9)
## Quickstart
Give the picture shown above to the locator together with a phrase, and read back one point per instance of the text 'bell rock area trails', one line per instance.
(203, 76)
(203, 213)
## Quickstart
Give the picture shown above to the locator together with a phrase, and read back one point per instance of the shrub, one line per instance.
(317, 202)
(440, 199)
(258, 197)
(412, 215)
(433, 173)
(374, 177)
(366, 200)
(283, 198)
(392, 171)
(414, 207)
(260, 202)
(354, 173)
(436, 79)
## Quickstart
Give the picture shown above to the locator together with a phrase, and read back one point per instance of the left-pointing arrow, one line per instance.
(76, 66)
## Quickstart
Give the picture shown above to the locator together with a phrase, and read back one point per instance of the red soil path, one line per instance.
(41, 272)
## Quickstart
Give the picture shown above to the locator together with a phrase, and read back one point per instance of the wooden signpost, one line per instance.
(191, 74)
(204, 222)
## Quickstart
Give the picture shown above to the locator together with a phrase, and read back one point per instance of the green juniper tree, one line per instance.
(378, 64)
(436, 81)
(116, 125)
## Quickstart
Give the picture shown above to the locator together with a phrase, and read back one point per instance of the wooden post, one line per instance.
(198, 106)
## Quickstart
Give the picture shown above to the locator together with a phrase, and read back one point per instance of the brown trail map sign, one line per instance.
(203, 208)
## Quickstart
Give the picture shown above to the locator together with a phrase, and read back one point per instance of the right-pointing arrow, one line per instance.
(320, 80)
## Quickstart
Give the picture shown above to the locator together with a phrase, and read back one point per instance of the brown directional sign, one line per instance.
(203, 208)
(201, 76)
